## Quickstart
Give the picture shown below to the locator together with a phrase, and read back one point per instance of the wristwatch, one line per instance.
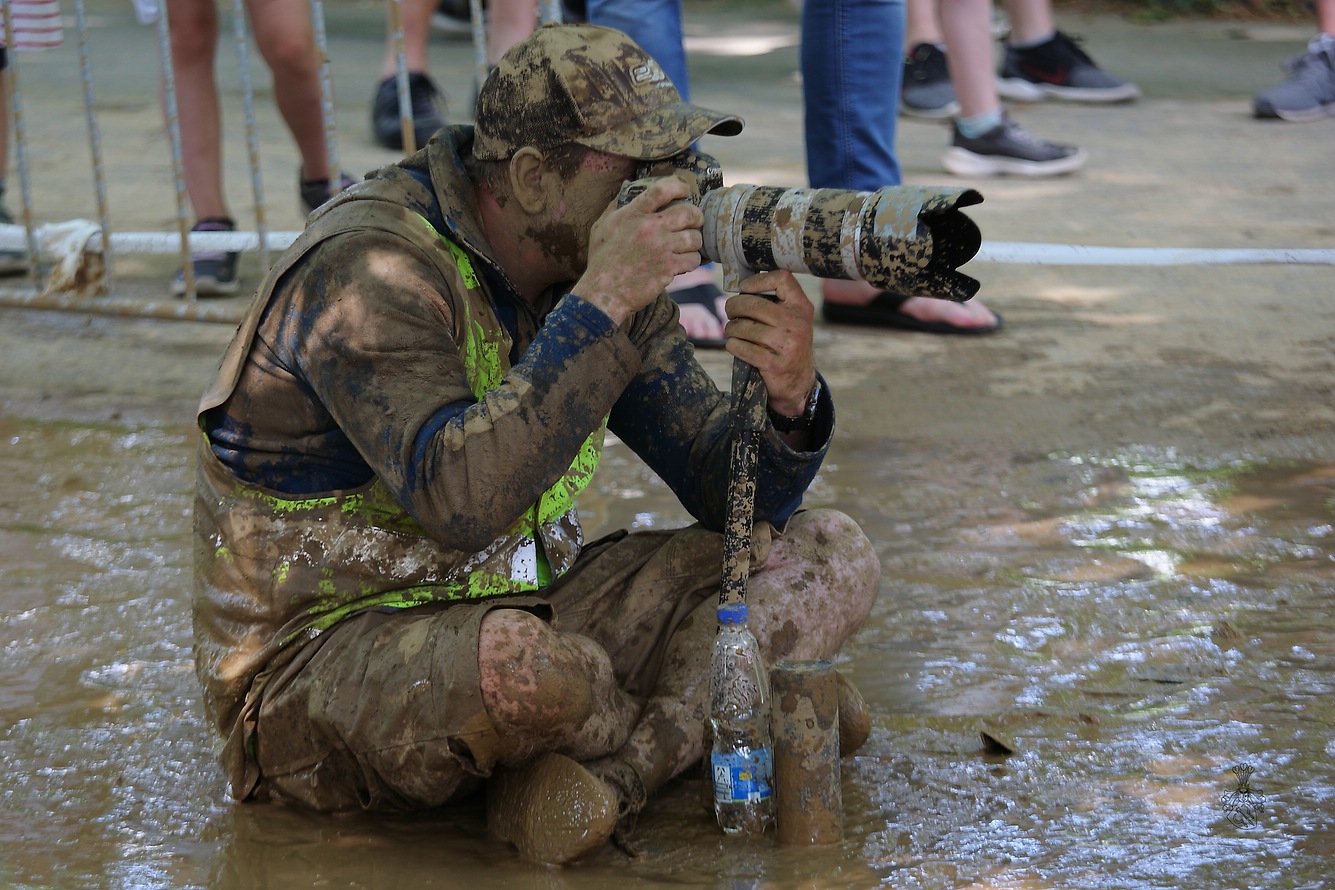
(803, 421)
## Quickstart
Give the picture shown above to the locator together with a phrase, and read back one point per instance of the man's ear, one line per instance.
(526, 175)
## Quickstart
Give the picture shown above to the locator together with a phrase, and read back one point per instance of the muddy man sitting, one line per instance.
(394, 599)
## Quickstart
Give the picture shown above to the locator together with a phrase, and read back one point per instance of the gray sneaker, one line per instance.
(1009, 148)
(926, 90)
(1309, 92)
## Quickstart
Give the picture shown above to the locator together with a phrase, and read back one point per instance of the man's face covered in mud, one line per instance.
(586, 187)
(591, 181)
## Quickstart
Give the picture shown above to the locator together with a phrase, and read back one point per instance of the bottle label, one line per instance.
(742, 777)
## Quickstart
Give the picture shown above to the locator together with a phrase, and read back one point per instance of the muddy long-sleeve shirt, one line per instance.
(391, 411)
(354, 373)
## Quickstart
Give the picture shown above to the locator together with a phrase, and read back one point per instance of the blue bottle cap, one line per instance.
(732, 613)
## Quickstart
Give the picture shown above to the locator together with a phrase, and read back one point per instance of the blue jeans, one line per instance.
(852, 61)
(655, 25)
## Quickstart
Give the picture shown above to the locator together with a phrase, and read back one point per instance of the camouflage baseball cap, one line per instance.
(592, 86)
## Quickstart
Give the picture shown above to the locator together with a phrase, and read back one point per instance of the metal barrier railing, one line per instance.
(78, 244)
(97, 245)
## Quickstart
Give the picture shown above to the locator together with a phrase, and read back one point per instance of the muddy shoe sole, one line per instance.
(552, 809)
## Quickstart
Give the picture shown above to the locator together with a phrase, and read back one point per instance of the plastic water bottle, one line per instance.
(741, 760)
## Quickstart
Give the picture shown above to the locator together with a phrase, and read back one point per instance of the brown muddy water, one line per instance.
(1142, 632)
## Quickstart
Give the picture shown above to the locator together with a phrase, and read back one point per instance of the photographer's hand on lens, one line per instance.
(637, 249)
(770, 328)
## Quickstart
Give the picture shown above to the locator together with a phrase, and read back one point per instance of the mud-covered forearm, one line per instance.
(397, 385)
(674, 416)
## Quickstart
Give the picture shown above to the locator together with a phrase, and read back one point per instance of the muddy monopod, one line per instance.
(909, 240)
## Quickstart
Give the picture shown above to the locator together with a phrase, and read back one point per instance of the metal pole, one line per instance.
(401, 78)
(252, 136)
(549, 11)
(94, 137)
(326, 100)
(174, 131)
(172, 310)
(478, 19)
(21, 143)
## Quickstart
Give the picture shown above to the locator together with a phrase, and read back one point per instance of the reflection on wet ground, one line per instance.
(1140, 630)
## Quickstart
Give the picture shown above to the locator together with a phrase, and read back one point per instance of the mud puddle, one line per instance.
(1152, 637)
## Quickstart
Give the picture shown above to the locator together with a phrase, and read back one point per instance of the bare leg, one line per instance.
(508, 22)
(286, 40)
(415, 18)
(1030, 20)
(194, 39)
(921, 23)
(967, 26)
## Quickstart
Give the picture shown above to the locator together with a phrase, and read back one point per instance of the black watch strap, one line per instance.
(803, 421)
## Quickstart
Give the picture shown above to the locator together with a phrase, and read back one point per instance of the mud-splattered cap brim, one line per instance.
(592, 86)
(663, 132)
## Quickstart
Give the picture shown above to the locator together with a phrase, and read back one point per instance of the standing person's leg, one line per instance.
(286, 39)
(985, 142)
(850, 96)
(926, 90)
(966, 26)
(850, 107)
(193, 29)
(424, 96)
(12, 262)
(1030, 21)
(194, 44)
(508, 22)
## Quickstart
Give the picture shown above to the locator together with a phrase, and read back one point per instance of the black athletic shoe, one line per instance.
(927, 90)
(315, 192)
(427, 111)
(215, 270)
(1009, 148)
(1059, 68)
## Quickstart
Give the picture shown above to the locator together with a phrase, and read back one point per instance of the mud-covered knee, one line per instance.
(834, 540)
(531, 678)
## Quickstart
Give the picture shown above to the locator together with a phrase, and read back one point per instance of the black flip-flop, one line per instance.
(883, 311)
(700, 295)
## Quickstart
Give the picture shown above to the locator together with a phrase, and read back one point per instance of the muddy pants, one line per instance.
(385, 712)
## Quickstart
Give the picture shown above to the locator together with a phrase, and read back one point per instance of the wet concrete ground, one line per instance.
(1108, 532)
